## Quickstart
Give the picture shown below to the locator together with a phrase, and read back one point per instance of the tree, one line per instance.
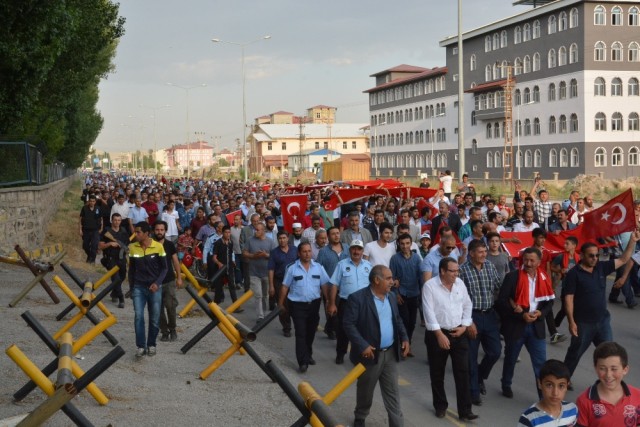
(52, 57)
(223, 163)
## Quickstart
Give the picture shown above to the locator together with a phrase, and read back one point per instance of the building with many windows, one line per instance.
(575, 102)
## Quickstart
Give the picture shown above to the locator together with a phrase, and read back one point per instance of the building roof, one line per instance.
(402, 68)
(310, 130)
(320, 106)
(485, 87)
(429, 72)
(359, 157)
(281, 113)
(200, 145)
(314, 152)
(505, 22)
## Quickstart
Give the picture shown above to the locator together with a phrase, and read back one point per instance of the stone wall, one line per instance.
(25, 213)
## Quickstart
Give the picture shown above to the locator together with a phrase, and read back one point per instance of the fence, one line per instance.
(22, 163)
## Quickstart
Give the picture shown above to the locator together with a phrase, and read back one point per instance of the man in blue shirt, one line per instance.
(328, 257)
(303, 283)
(279, 258)
(350, 275)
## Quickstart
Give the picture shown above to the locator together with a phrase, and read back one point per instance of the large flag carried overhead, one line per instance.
(293, 209)
(614, 217)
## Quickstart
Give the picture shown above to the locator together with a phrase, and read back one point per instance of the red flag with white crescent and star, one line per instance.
(293, 208)
(614, 217)
(231, 215)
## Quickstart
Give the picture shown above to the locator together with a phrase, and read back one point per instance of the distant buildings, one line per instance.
(576, 99)
(197, 154)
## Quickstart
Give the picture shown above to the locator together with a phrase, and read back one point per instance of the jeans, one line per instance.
(409, 313)
(238, 269)
(285, 315)
(142, 296)
(536, 347)
(260, 288)
(628, 289)
(488, 326)
(596, 333)
(169, 303)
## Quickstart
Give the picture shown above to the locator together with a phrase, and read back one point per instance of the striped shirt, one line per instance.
(535, 417)
(481, 284)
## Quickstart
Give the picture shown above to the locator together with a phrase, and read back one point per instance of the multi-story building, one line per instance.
(197, 154)
(575, 98)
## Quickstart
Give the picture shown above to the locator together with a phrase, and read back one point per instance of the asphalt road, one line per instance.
(414, 380)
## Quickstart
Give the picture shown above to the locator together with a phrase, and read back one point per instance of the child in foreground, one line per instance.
(551, 410)
(610, 401)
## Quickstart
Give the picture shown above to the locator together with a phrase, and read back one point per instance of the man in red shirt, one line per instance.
(152, 209)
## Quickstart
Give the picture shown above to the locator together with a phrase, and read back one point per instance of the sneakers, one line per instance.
(151, 351)
(139, 353)
(164, 337)
(557, 337)
(172, 335)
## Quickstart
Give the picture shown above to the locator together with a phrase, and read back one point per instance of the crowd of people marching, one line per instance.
(379, 258)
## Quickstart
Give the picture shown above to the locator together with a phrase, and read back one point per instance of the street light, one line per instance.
(155, 140)
(244, 97)
(187, 89)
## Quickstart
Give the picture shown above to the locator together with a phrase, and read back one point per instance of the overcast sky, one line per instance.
(319, 53)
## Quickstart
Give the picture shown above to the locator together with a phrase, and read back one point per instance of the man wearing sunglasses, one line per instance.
(585, 300)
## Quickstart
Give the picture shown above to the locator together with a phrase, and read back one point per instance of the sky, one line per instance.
(318, 53)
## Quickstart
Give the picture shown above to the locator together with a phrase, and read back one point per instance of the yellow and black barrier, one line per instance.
(314, 410)
(198, 284)
(39, 274)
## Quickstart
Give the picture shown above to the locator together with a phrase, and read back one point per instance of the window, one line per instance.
(536, 94)
(526, 33)
(517, 35)
(562, 56)
(632, 87)
(633, 17)
(503, 38)
(489, 159)
(472, 63)
(562, 21)
(496, 130)
(517, 98)
(473, 118)
(317, 147)
(527, 64)
(562, 90)
(573, 126)
(537, 159)
(564, 158)
(503, 69)
(495, 71)
(616, 51)
(518, 128)
(616, 157)
(444, 135)
(552, 125)
(474, 147)
(527, 96)
(563, 123)
(284, 146)
(616, 87)
(599, 87)
(599, 16)
(536, 61)
(633, 157)
(497, 159)
(551, 28)
(600, 159)
(634, 52)
(487, 73)
(496, 41)
(575, 159)
(527, 127)
(573, 92)
(536, 126)
(573, 18)
(600, 52)
(325, 145)
(536, 29)
(551, 58)
(269, 146)
(454, 51)
(354, 145)
(601, 121)
(344, 145)
(552, 92)
(616, 122)
(616, 15)
(528, 159)
(553, 158)
(573, 53)
(633, 122)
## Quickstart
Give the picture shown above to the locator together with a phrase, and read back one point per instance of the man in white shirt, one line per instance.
(527, 224)
(446, 179)
(447, 309)
(379, 252)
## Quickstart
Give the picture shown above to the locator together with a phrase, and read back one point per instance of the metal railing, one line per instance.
(22, 163)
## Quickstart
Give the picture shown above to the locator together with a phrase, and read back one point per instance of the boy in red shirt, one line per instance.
(610, 401)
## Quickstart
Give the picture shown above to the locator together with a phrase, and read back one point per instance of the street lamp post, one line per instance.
(155, 140)
(187, 89)
(244, 98)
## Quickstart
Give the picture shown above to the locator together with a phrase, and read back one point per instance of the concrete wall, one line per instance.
(25, 213)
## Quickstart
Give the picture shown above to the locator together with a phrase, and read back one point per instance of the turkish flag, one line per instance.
(514, 249)
(614, 217)
(435, 236)
(348, 195)
(555, 242)
(570, 212)
(433, 211)
(293, 209)
(231, 215)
